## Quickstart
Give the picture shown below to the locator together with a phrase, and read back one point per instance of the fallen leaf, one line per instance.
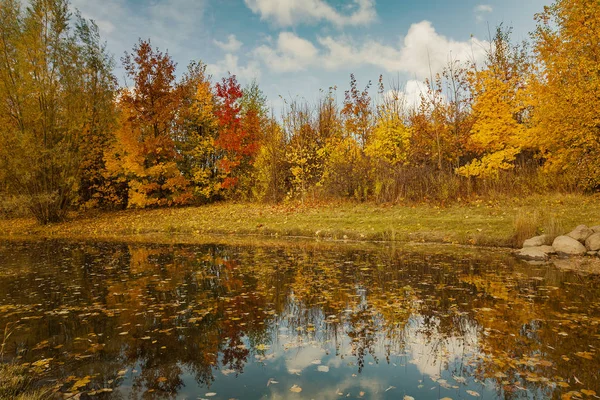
(473, 393)
(323, 368)
(296, 389)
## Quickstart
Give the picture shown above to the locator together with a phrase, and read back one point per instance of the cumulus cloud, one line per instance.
(481, 10)
(231, 64)
(290, 53)
(232, 45)
(286, 13)
(421, 52)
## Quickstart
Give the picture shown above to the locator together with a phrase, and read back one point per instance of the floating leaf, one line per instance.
(81, 383)
(473, 393)
(210, 394)
(323, 368)
(296, 389)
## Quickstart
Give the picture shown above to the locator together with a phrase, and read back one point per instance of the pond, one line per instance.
(297, 322)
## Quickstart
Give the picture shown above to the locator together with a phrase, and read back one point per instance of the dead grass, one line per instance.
(502, 222)
(16, 383)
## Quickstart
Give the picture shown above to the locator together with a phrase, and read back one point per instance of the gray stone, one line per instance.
(548, 249)
(593, 242)
(580, 233)
(539, 253)
(536, 241)
(569, 246)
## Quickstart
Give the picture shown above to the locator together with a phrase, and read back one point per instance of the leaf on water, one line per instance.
(473, 393)
(81, 383)
(124, 333)
(323, 368)
(407, 397)
(263, 347)
(122, 372)
(390, 388)
(588, 392)
(161, 379)
(294, 371)
(585, 354)
(446, 398)
(210, 394)
(295, 389)
(316, 362)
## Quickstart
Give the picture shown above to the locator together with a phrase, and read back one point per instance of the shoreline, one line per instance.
(496, 224)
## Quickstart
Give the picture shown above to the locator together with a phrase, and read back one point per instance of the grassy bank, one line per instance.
(503, 222)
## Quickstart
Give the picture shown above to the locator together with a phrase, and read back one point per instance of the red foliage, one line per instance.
(237, 134)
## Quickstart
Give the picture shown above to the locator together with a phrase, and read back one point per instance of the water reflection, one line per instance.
(139, 321)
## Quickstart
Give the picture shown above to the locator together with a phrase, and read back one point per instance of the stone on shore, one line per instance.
(593, 242)
(537, 253)
(581, 233)
(569, 246)
(537, 241)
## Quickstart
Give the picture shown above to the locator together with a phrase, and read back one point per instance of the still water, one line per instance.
(297, 322)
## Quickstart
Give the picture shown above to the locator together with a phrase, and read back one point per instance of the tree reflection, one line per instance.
(149, 316)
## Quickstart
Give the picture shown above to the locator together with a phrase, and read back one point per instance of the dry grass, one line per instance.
(502, 222)
(16, 383)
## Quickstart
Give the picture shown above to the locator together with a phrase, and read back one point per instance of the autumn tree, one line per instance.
(46, 106)
(346, 169)
(389, 146)
(566, 94)
(272, 166)
(197, 132)
(100, 86)
(500, 108)
(144, 154)
(238, 136)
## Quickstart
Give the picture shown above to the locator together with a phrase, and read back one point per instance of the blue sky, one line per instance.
(296, 47)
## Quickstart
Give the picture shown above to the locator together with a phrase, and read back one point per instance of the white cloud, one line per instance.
(291, 53)
(291, 12)
(481, 10)
(230, 64)
(422, 52)
(232, 45)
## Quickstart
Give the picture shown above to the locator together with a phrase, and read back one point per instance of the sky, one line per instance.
(295, 48)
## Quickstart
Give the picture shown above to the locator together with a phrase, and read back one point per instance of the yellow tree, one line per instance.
(500, 108)
(47, 102)
(197, 132)
(567, 93)
(388, 147)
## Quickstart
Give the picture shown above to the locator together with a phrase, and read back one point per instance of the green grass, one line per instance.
(503, 222)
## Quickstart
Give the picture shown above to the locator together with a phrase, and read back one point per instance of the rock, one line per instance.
(581, 233)
(548, 249)
(568, 245)
(538, 253)
(592, 253)
(537, 241)
(596, 228)
(593, 242)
